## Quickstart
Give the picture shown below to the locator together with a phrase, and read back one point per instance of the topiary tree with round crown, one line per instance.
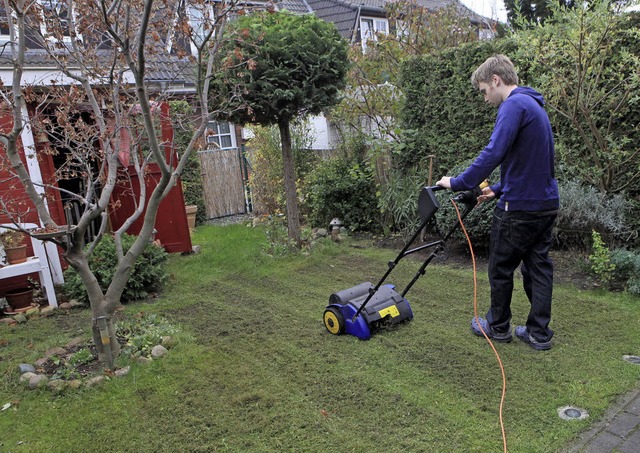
(277, 67)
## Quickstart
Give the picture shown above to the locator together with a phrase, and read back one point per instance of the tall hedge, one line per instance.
(443, 115)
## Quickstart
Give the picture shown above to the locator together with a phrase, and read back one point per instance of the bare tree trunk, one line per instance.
(291, 193)
(102, 309)
(104, 337)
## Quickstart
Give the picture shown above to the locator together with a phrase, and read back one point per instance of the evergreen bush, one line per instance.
(343, 188)
(626, 275)
(399, 199)
(600, 259)
(148, 273)
(443, 115)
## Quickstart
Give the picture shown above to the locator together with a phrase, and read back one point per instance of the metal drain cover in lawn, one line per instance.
(572, 413)
(631, 359)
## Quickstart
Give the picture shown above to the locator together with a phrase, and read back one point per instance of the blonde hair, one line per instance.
(499, 65)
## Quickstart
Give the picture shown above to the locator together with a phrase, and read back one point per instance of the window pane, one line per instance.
(4, 25)
(381, 26)
(221, 133)
(56, 15)
(225, 141)
(366, 26)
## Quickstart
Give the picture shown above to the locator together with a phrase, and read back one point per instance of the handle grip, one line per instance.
(466, 196)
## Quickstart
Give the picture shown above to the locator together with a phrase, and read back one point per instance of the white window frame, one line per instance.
(198, 15)
(6, 37)
(66, 38)
(216, 136)
(370, 27)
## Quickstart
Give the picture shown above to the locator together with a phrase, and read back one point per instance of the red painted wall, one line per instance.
(171, 221)
(13, 193)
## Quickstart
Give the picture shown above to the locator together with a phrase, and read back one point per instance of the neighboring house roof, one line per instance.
(173, 69)
(294, 6)
(342, 13)
(345, 13)
(162, 68)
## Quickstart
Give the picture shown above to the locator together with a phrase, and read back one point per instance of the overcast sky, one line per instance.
(493, 9)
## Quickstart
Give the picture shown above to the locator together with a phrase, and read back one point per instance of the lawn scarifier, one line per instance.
(363, 309)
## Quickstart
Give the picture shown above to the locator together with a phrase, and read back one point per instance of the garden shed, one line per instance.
(43, 162)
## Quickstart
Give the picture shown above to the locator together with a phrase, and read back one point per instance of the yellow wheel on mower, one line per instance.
(333, 321)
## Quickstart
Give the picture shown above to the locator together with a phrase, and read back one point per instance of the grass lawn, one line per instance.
(256, 371)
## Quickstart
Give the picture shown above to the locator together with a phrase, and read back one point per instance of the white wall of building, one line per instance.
(321, 132)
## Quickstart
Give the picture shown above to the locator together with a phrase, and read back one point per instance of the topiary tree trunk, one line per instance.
(293, 213)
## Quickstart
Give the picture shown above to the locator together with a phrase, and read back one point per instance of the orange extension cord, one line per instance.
(475, 314)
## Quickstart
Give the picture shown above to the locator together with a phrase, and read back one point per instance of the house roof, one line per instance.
(161, 67)
(344, 13)
(170, 68)
(294, 6)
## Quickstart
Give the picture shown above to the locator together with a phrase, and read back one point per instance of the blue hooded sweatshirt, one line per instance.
(522, 144)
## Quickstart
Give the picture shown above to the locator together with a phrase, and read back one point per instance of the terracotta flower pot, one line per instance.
(19, 298)
(16, 255)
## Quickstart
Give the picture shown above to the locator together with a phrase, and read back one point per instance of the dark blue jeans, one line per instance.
(521, 237)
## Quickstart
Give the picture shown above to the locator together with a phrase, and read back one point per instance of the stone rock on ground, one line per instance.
(8, 321)
(26, 376)
(57, 385)
(168, 342)
(26, 368)
(46, 311)
(37, 380)
(95, 381)
(123, 371)
(158, 351)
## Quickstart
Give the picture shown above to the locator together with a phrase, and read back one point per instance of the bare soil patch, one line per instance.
(570, 267)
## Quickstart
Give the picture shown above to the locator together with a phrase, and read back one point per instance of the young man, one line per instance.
(528, 202)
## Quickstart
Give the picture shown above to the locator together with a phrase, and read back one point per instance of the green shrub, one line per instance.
(626, 275)
(278, 242)
(584, 209)
(399, 199)
(442, 114)
(148, 273)
(343, 188)
(267, 177)
(600, 259)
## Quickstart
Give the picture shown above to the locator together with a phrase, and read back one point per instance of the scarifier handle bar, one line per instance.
(427, 205)
(466, 196)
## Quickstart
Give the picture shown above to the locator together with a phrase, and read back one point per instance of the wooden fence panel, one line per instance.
(222, 182)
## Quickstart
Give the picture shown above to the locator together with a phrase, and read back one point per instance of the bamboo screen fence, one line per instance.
(222, 182)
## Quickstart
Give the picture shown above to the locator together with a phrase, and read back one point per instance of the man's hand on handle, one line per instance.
(445, 182)
(487, 195)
